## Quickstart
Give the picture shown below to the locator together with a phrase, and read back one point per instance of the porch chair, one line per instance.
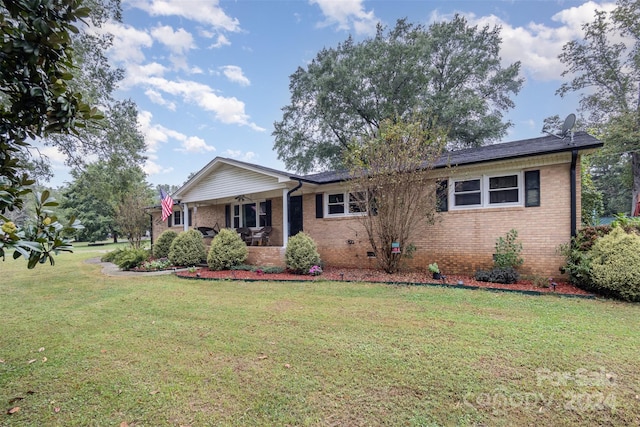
(261, 237)
(245, 234)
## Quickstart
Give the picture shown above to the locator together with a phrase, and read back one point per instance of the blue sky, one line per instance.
(210, 77)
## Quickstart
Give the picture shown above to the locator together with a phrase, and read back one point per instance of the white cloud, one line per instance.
(205, 12)
(150, 167)
(156, 98)
(127, 41)
(541, 43)
(226, 110)
(347, 14)
(220, 41)
(156, 134)
(234, 74)
(178, 42)
(239, 155)
(195, 144)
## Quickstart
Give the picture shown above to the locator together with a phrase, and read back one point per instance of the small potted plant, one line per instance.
(433, 268)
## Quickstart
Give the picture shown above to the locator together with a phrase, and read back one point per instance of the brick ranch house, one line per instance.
(530, 185)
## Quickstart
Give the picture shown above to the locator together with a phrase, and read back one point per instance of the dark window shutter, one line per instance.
(319, 207)
(170, 220)
(532, 188)
(442, 196)
(190, 217)
(267, 218)
(227, 216)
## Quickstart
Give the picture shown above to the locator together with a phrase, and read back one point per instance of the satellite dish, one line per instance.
(568, 125)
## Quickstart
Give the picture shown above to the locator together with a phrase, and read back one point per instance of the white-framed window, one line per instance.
(344, 204)
(178, 218)
(495, 190)
(252, 214)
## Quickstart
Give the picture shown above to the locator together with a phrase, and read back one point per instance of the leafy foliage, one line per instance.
(41, 237)
(271, 269)
(301, 253)
(187, 249)
(592, 204)
(227, 250)
(96, 193)
(605, 69)
(163, 244)
(615, 265)
(346, 93)
(127, 258)
(507, 251)
(505, 275)
(35, 69)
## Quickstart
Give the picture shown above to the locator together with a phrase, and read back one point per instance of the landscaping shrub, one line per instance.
(507, 252)
(301, 254)
(257, 268)
(111, 256)
(506, 275)
(187, 249)
(615, 265)
(128, 258)
(227, 250)
(163, 244)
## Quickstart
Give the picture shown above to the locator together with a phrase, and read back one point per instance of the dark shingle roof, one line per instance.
(507, 150)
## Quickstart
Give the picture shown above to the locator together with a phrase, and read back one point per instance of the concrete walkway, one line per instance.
(110, 269)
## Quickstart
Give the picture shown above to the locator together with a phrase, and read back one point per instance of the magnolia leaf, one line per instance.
(13, 410)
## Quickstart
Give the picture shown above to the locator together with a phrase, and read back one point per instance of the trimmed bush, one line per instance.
(227, 250)
(615, 265)
(163, 244)
(508, 250)
(128, 258)
(301, 254)
(187, 249)
(506, 275)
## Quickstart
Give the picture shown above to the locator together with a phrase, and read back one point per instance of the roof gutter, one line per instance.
(574, 186)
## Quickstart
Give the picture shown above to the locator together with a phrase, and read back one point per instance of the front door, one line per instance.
(295, 215)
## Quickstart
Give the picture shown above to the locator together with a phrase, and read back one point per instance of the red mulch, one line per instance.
(369, 275)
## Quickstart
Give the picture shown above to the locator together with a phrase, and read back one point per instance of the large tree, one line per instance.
(604, 67)
(96, 193)
(36, 100)
(449, 69)
(392, 186)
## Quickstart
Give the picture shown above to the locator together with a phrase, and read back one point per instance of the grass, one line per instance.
(156, 351)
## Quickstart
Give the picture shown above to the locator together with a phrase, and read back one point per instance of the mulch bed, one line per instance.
(379, 276)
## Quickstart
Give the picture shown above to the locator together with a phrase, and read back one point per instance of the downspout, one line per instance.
(574, 198)
(294, 189)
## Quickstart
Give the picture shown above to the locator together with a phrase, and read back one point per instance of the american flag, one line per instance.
(167, 204)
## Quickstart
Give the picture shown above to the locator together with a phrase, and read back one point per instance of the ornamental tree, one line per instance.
(391, 184)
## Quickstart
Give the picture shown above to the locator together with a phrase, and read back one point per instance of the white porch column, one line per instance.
(185, 217)
(285, 217)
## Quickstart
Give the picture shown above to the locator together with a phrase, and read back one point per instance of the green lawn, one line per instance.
(80, 348)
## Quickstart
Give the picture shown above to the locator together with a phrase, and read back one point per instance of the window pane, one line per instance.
(357, 202)
(504, 196)
(471, 185)
(533, 197)
(336, 198)
(467, 199)
(509, 181)
(336, 209)
(249, 211)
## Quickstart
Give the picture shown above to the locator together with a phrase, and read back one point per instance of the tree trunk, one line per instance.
(635, 170)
